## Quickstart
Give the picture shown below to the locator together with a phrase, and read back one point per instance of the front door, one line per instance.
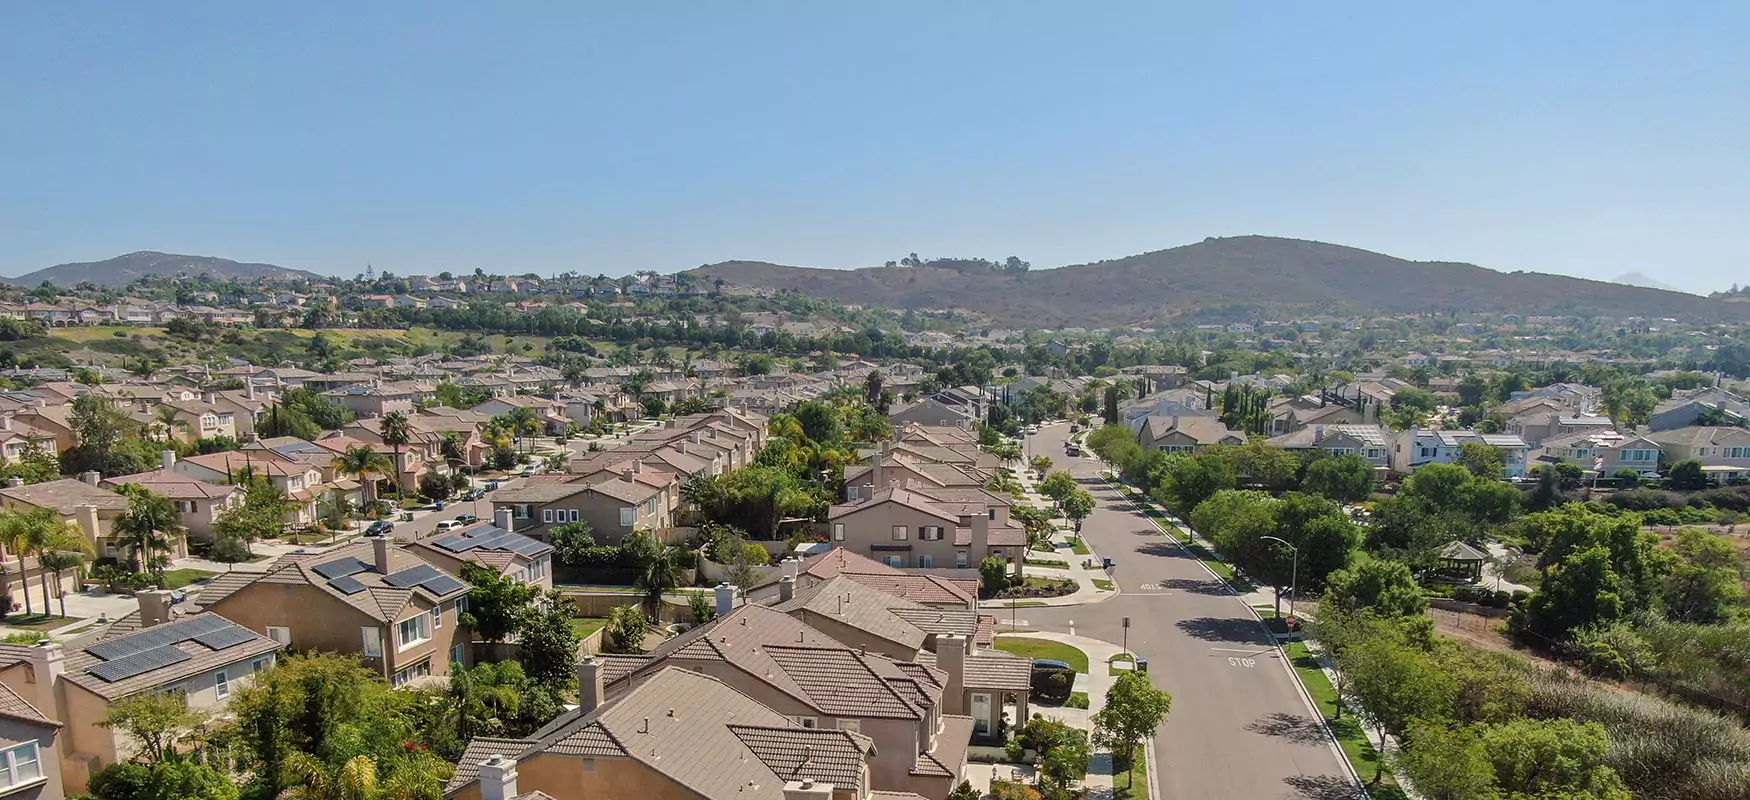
(981, 713)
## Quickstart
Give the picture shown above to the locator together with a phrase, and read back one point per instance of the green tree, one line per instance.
(1263, 464)
(262, 514)
(1134, 709)
(1057, 486)
(1392, 685)
(700, 604)
(33, 464)
(147, 527)
(1077, 505)
(820, 422)
(1534, 759)
(1687, 476)
(1345, 479)
(625, 630)
(993, 573)
(1383, 587)
(1483, 460)
(1705, 585)
(1188, 481)
(547, 642)
(1580, 591)
(365, 464)
(656, 567)
(396, 434)
(100, 430)
(155, 722)
(1447, 764)
(37, 533)
(496, 602)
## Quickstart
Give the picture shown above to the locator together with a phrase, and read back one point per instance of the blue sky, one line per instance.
(1584, 138)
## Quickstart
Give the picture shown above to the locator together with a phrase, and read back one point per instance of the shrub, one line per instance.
(1642, 500)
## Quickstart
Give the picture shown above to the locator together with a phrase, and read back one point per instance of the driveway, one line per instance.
(1239, 727)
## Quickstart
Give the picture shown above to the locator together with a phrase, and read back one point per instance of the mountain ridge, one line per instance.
(122, 269)
(1226, 279)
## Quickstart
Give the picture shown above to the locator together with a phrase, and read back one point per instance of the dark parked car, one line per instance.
(467, 519)
(1053, 680)
(380, 527)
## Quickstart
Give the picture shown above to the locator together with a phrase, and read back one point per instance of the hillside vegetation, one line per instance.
(121, 270)
(1225, 279)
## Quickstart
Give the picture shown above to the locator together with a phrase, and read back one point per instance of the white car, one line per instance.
(447, 525)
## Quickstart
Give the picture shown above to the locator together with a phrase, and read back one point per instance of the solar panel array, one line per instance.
(424, 576)
(156, 647)
(341, 567)
(492, 538)
(347, 584)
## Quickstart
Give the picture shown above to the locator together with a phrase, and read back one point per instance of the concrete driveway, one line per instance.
(1239, 727)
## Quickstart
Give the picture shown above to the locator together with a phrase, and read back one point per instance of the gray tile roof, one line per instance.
(202, 658)
(380, 598)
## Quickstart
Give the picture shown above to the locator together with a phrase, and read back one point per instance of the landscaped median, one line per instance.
(1031, 648)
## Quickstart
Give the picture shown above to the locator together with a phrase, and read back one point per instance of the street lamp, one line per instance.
(1293, 574)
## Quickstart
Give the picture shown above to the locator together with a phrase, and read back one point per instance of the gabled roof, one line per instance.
(150, 658)
(697, 731)
(66, 496)
(909, 499)
(348, 574)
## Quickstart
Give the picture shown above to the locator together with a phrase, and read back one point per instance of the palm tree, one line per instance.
(658, 567)
(49, 535)
(57, 562)
(361, 461)
(356, 779)
(483, 698)
(12, 537)
(522, 421)
(165, 418)
(397, 435)
(146, 527)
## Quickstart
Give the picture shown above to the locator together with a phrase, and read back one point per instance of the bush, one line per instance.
(1643, 500)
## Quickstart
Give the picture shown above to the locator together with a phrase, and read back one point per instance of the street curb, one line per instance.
(1148, 760)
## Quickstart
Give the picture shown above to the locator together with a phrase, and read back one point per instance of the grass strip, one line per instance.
(1027, 647)
(1356, 746)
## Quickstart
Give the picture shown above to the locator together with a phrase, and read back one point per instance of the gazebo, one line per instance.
(1458, 557)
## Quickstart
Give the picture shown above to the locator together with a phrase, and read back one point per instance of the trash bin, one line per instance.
(1141, 664)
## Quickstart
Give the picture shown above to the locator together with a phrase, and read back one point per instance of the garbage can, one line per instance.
(1141, 664)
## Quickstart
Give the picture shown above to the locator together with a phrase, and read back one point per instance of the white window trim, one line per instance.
(417, 621)
(284, 635)
(901, 533)
(808, 722)
(547, 515)
(221, 685)
(373, 642)
(838, 531)
(11, 762)
(437, 617)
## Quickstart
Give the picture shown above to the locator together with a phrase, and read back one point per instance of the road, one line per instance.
(1239, 727)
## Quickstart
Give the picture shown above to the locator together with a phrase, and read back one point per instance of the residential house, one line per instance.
(675, 734)
(302, 483)
(1415, 447)
(1371, 442)
(198, 503)
(80, 501)
(907, 525)
(932, 411)
(1724, 453)
(204, 658)
(1714, 405)
(370, 598)
(1185, 434)
(613, 507)
(29, 750)
(490, 546)
(1602, 452)
(550, 412)
(381, 397)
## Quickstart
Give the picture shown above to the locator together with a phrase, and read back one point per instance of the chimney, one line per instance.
(951, 658)
(504, 518)
(981, 535)
(786, 588)
(208, 398)
(807, 789)
(6, 422)
(790, 567)
(875, 468)
(154, 606)
(590, 684)
(497, 778)
(380, 553)
(168, 459)
(725, 599)
(91, 477)
(47, 665)
(249, 389)
(87, 518)
(637, 466)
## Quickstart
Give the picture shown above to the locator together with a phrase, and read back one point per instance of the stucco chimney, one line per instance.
(167, 458)
(91, 477)
(786, 588)
(951, 658)
(591, 685)
(380, 553)
(807, 789)
(497, 778)
(981, 535)
(6, 422)
(154, 606)
(725, 599)
(875, 468)
(504, 518)
(249, 388)
(87, 519)
(48, 662)
(790, 567)
(208, 398)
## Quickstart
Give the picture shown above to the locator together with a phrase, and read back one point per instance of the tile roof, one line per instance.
(379, 597)
(12, 705)
(949, 756)
(86, 666)
(66, 496)
(992, 669)
(698, 732)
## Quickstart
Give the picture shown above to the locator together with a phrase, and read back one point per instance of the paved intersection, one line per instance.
(1239, 727)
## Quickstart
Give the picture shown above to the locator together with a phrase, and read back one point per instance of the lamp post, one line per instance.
(1293, 574)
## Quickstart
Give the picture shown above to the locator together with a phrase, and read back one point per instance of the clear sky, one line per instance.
(1588, 138)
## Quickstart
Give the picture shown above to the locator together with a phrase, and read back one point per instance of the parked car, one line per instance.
(492, 486)
(467, 519)
(446, 526)
(380, 527)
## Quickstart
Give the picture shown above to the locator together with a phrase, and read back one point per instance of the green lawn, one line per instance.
(1103, 584)
(1079, 547)
(1121, 657)
(35, 622)
(1027, 647)
(1356, 746)
(1133, 784)
(585, 626)
(1047, 563)
(178, 578)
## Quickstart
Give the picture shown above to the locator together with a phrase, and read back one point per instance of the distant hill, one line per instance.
(1638, 279)
(121, 270)
(1229, 278)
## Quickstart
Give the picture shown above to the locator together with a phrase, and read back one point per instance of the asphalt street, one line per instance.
(1239, 726)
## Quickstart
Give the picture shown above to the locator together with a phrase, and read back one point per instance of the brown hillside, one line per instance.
(1232, 277)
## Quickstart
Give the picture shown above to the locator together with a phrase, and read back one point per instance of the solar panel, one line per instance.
(413, 576)
(139, 663)
(455, 544)
(341, 567)
(225, 637)
(157, 636)
(442, 585)
(347, 584)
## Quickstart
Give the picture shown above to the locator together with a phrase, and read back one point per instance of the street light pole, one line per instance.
(1293, 574)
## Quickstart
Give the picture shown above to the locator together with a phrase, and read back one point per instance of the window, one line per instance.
(406, 676)
(373, 642)
(926, 560)
(990, 513)
(650, 507)
(547, 515)
(279, 634)
(808, 722)
(838, 531)
(221, 685)
(412, 630)
(459, 655)
(896, 561)
(462, 604)
(521, 510)
(930, 533)
(20, 765)
(186, 506)
(573, 515)
(851, 492)
(960, 559)
(627, 518)
(899, 533)
(849, 725)
(260, 664)
(437, 617)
